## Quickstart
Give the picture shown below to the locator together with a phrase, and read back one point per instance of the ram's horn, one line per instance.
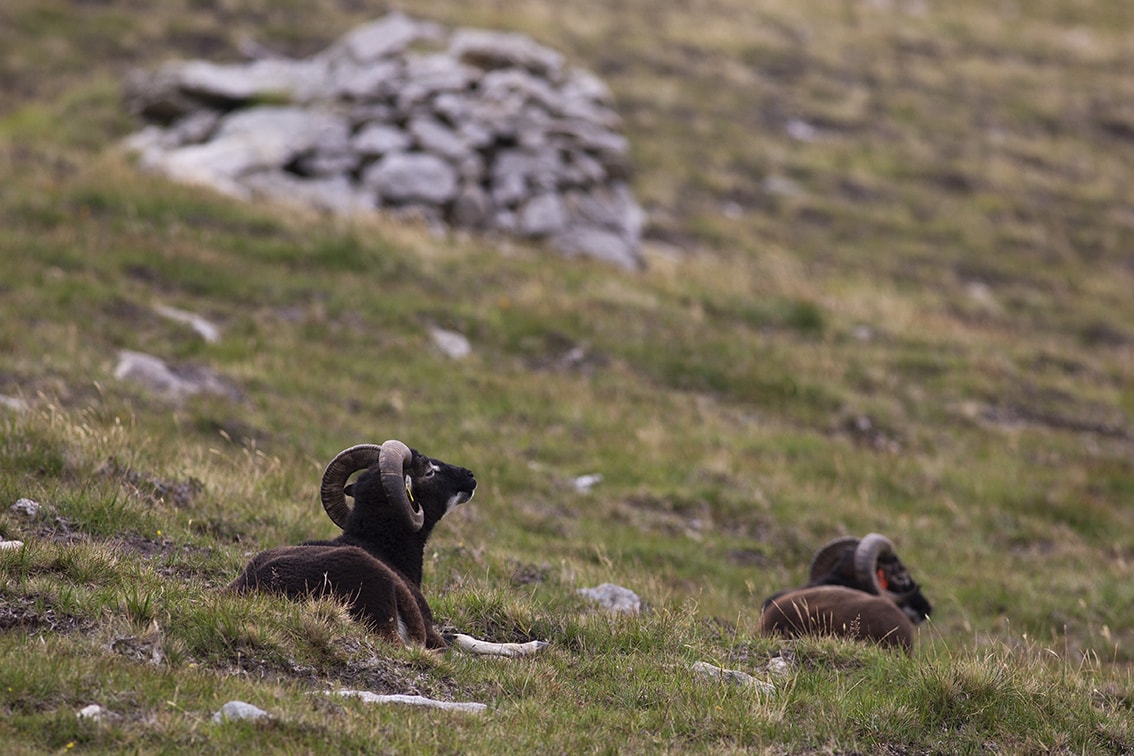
(866, 556)
(391, 464)
(827, 558)
(346, 463)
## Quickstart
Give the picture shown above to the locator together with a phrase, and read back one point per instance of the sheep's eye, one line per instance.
(429, 473)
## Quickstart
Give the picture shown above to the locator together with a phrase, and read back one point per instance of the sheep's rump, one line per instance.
(375, 593)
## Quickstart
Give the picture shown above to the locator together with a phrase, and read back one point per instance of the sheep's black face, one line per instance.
(433, 485)
(896, 581)
(916, 607)
(437, 485)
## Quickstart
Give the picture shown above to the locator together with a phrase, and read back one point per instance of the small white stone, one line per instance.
(206, 330)
(778, 666)
(13, 403)
(733, 677)
(453, 344)
(234, 710)
(26, 507)
(617, 599)
(802, 131)
(94, 712)
(584, 483)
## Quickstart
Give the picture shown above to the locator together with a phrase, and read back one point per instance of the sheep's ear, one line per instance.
(409, 487)
(349, 490)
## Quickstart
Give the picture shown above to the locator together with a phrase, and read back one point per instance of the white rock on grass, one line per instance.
(13, 403)
(397, 698)
(96, 713)
(25, 507)
(614, 598)
(733, 677)
(584, 483)
(206, 330)
(239, 710)
(154, 374)
(454, 345)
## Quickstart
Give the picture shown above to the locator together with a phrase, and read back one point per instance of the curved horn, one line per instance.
(346, 463)
(391, 465)
(827, 558)
(866, 556)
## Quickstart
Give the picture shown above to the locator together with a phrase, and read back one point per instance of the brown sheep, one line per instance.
(856, 589)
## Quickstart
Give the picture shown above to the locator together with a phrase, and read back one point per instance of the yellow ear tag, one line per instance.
(409, 490)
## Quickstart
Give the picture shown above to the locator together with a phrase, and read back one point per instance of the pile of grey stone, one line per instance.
(475, 129)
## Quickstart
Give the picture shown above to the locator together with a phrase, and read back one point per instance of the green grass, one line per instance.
(917, 323)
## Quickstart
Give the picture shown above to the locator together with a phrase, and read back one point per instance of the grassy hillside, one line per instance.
(891, 261)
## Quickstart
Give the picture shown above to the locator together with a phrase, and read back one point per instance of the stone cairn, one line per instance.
(476, 129)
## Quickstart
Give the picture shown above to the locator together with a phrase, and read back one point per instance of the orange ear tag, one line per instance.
(882, 581)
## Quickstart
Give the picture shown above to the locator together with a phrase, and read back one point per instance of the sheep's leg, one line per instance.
(471, 645)
(389, 607)
(433, 639)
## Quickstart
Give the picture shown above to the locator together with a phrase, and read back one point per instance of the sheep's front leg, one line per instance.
(389, 608)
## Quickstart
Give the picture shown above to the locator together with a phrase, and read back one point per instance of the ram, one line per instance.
(375, 565)
(857, 589)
